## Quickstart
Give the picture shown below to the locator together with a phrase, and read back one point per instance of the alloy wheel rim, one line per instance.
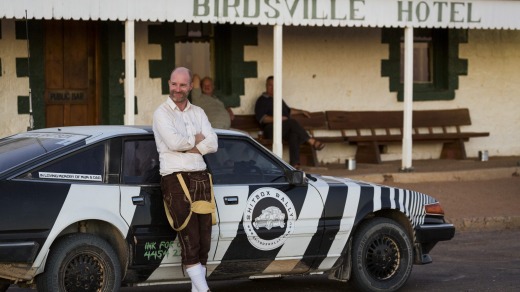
(383, 257)
(84, 272)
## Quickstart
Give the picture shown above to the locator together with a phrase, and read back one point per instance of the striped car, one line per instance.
(82, 207)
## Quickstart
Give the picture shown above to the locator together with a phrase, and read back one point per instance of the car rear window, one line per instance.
(20, 148)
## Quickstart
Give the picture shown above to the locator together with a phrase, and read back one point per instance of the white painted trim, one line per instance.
(277, 83)
(467, 14)
(129, 72)
(408, 99)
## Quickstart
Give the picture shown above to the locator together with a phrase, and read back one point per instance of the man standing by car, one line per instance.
(183, 135)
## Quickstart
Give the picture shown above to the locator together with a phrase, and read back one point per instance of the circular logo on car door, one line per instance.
(269, 218)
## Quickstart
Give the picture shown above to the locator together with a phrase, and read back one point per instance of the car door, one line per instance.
(154, 240)
(266, 224)
(150, 234)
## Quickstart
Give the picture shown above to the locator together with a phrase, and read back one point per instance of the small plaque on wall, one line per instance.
(66, 96)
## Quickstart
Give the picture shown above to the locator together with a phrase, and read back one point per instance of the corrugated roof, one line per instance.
(474, 14)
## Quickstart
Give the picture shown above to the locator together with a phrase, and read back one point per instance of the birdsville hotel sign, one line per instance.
(338, 12)
(487, 14)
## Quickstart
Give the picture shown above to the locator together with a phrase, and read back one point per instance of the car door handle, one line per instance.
(231, 200)
(138, 201)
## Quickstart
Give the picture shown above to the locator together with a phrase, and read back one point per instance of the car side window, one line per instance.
(86, 165)
(140, 162)
(238, 161)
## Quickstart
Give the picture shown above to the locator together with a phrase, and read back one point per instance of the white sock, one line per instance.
(190, 272)
(198, 278)
(204, 273)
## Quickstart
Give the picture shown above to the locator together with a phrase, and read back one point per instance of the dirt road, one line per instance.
(491, 204)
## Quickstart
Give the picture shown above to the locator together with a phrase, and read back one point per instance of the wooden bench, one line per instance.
(317, 121)
(370, 130)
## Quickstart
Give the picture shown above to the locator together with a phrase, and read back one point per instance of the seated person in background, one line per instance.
(202, 95)
(292, 131)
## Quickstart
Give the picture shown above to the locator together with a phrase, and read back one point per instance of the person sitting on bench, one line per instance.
(292, 131)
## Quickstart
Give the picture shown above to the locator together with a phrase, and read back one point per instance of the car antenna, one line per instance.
(31, 119)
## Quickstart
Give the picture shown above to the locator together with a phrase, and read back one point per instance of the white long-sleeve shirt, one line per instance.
(174, 132)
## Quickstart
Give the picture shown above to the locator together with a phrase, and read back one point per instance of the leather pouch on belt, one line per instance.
(199, 207)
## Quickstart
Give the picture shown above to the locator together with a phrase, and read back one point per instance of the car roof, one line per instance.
(98, 132)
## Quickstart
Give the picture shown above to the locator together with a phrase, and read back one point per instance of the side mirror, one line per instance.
(296, 177)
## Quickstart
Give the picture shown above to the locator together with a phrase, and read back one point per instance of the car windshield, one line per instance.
(20, 148)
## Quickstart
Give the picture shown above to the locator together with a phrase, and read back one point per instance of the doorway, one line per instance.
(71, 73)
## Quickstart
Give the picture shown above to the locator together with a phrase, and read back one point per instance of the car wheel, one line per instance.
(81, 262)
(382, 256)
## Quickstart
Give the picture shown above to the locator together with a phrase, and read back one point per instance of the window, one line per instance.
(192, 44)
(192, 47)
(436, 63)
(422, 61)
(140, 162)
(239, 161)
(86, 166)
(194, 55)
(20, 148)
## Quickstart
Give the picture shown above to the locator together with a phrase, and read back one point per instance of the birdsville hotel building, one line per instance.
(89, 62)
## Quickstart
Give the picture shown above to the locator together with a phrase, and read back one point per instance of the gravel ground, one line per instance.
(474, 194)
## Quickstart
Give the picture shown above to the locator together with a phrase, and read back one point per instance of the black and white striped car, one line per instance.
(82, 211)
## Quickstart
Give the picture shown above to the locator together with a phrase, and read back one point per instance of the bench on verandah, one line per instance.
(317, 121)
(370, 130)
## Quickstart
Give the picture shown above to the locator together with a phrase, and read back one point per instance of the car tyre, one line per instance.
(382, 256)
(81, 262)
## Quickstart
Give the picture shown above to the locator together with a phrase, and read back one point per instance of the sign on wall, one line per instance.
(66, 96)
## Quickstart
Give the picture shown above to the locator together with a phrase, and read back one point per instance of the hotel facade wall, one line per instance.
(340, 68)
(11, 86)
(323, 69)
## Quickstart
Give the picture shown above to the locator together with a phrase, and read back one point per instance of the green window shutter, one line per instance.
(446, 65)
(113, 69)
(164, 36)
(230, 67)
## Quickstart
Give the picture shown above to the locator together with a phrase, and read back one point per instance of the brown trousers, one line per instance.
(195, 239)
